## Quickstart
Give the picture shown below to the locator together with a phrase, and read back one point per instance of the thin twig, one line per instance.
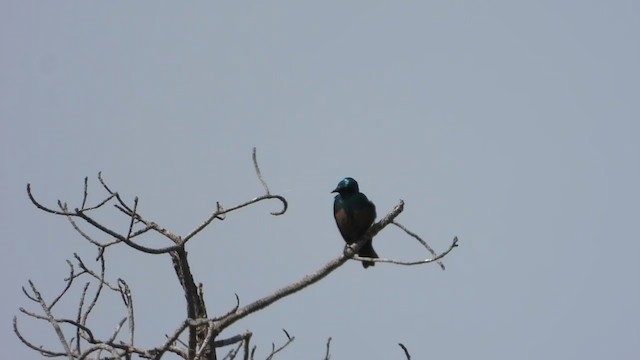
(101, 284)
(170, 340)
(86, 236)
(453, 245)
(24, 291)
(206, 342)
(232, 353)
(125, 291)
(52, 320)
(115, 333)
(100, 204)
(90, 338)
(39, 349)
(100, 278)
(406, 352)
(245, 345)
(327, 355)
(258, 173)
(79, 315)
(220, 212)
(86, 192)
(233, 310)
(274, 351)
(424, 243)
(68, 280)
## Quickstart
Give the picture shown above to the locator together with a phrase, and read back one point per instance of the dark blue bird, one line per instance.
(354, 214)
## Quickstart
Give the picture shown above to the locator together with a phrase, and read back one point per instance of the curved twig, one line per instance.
(40, 206)
(228, 313)
(406, 352)
(424, 243)
(454, 244)
(90, 338)
(258, 173)
(221, 211)
(26, 342)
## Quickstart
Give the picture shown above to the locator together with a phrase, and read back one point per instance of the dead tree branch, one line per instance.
(327, 354)
(197, 336)
(406, 352)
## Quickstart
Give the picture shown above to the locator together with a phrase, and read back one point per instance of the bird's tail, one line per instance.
(367, 251)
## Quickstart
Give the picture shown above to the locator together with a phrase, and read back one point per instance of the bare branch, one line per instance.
(205, 343)
(125, 292)
(235, 308)
(39, 349)
(176, 334)
(424, 243)
(100, 204)
(100, 277)
(274, 351)
(327, 355)
(133, 217)
(86, 192)
(117, 330)
(79, 316)
(101, 283)
(454, 244)
(258, 173)
(232, 340)
(104, 184)
(203, 331)
(221, 212)
(42, 207)
(122, 206)
(245, 344)
(86, 236)
(68, 280)
(406, 352)
(51, 320)
(232, 353)
(32, 314)
(30, 297)
(90, 336)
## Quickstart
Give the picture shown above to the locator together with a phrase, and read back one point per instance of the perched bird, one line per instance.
(354, 213)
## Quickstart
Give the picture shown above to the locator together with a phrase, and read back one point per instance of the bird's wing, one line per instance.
(345, 224)
(363, 216)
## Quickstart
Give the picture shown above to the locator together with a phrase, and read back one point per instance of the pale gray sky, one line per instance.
(512, 125)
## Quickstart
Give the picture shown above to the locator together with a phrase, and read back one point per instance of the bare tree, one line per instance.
(198, 336)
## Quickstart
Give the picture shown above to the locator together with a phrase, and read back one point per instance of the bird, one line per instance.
(354, 214)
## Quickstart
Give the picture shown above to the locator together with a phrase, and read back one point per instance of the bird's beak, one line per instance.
(334, 190)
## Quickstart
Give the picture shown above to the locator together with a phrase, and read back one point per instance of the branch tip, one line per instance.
(406, 351)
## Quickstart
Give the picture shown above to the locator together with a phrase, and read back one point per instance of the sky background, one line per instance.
(512, 125)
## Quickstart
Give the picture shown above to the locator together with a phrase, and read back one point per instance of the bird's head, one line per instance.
(347, 186)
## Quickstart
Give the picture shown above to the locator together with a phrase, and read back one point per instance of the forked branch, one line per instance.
(202, 331)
